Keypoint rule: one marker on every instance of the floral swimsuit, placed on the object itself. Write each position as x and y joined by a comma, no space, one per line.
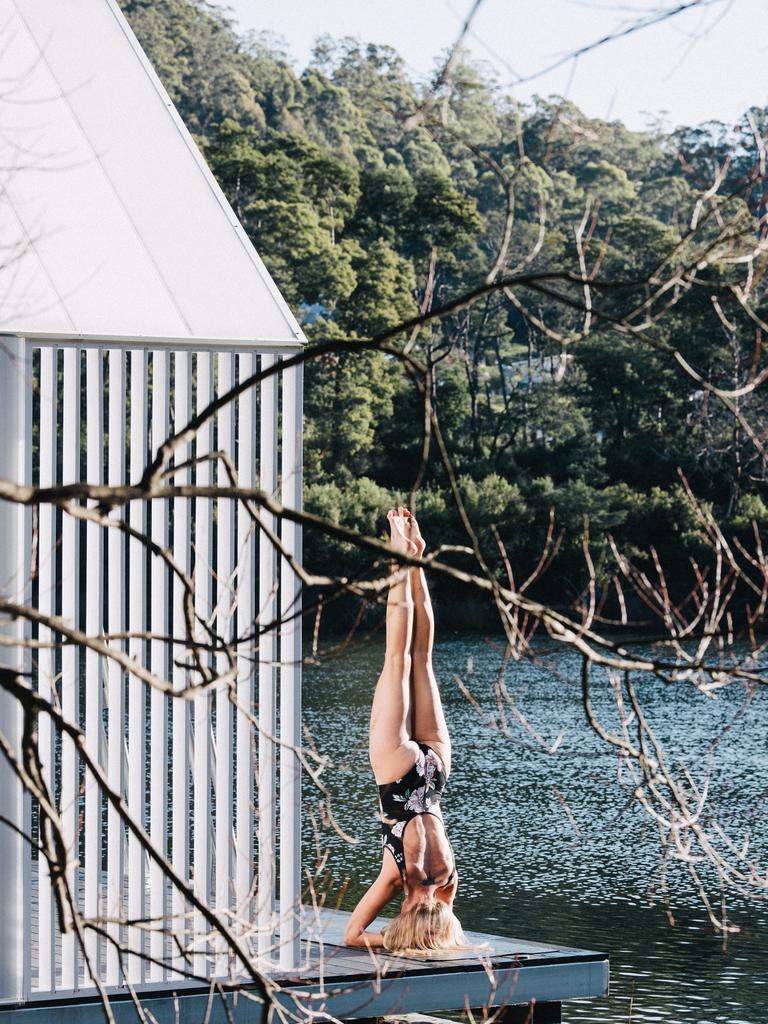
416,793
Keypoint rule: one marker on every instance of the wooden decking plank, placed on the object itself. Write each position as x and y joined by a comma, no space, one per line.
329,969
359,967
331,924
362,961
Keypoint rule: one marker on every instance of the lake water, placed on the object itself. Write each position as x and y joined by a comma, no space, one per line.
551,847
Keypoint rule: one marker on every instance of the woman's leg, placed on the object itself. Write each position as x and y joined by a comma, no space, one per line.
391,749
429,725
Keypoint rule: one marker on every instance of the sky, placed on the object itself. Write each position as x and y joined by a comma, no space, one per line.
706,63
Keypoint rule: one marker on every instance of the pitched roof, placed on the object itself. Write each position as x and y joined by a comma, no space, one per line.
111,223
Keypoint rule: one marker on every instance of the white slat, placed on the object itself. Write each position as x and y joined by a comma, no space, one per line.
27,661
159,666
267,661
246,547
93,603
203,567
225,536
70,467
15,378
137,623
115,624
46,920
290,676
181,708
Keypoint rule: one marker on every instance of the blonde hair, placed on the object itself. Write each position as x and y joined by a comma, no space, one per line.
424,928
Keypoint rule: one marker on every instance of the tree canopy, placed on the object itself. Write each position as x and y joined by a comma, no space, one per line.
362,213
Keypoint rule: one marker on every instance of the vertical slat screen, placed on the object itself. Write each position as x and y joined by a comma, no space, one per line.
191,771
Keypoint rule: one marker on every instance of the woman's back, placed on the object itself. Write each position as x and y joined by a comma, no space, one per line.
428,852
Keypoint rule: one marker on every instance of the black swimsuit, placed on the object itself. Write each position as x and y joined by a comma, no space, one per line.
416,793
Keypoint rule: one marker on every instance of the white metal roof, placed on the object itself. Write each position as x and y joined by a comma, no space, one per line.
111,223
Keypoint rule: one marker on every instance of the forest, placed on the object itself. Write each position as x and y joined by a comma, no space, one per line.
366,214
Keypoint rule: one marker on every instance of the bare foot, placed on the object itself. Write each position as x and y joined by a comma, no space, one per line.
398,526
414,532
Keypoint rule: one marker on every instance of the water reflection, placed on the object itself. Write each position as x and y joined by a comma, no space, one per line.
549,847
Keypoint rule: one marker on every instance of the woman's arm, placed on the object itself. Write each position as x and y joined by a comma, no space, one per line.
383,889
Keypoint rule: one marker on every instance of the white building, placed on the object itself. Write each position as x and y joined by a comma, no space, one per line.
128,287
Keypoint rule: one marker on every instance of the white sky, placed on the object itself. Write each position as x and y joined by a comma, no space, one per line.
710,62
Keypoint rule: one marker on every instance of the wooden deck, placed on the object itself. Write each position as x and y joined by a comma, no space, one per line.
357,984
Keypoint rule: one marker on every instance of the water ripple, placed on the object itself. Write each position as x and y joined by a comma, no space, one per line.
550,848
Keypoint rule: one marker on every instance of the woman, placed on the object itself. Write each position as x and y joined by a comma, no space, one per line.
410,753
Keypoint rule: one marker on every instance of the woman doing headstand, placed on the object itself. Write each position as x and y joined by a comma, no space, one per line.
410,753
